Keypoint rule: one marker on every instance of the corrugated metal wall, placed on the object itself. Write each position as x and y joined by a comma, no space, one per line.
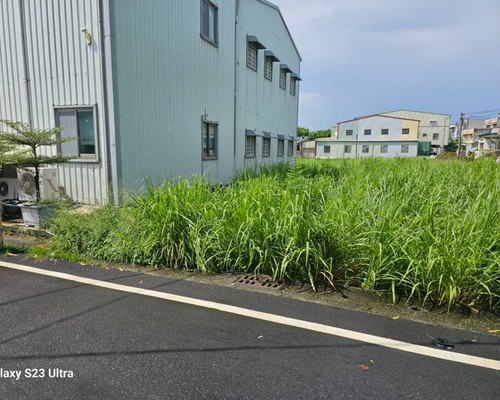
167,78
262,105
47,64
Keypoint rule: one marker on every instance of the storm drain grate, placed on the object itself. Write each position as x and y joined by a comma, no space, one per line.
264,281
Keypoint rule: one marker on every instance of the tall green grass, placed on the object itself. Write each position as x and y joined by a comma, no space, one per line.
427,229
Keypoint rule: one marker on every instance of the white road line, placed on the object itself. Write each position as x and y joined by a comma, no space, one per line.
278,319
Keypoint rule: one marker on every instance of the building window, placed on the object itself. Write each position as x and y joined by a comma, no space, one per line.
405,131
252,55
347,148
424,134
365,148
368,131
281,147
266,147
383,148
293,82
435,136
209,139
250,146
78,123
209,22
268,68
384,132
327,149
348,132
283,79
433,123
290,148
405,148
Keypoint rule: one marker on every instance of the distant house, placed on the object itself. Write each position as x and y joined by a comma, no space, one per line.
433,131
482,136
162,89
371,136
308,148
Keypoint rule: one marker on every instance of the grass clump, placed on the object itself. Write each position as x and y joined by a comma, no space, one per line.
428,229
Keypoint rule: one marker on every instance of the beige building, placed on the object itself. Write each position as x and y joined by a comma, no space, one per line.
433,128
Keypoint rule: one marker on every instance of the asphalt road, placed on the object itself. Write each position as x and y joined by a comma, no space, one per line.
61,339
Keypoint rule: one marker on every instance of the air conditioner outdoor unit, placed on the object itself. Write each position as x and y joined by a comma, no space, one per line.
48,184
8,189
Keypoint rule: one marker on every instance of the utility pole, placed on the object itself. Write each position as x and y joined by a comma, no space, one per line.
461,127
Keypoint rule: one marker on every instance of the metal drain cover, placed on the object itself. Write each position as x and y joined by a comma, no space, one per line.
264,281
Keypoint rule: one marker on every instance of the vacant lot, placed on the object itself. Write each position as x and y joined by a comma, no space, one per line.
423,228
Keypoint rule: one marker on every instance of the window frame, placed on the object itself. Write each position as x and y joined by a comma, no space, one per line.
206,135
327,149
384,149
215,40
405,131
90,158
283,74
405,149
289,150
280,152
252,47
266,147
435,136
268,68
367,132
293,86
365,149
254,145
349,132
347,149
384,131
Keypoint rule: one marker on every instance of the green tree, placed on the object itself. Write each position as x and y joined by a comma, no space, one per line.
31,139
302,131
320,134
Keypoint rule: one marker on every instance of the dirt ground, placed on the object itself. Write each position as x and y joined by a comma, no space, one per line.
352,298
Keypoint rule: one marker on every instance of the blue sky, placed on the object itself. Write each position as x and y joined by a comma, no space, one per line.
368,56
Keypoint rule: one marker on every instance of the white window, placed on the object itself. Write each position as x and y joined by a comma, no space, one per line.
281,147
283,79
268,68
347,148
293,83
435,136
348,132
290,148
405,148
79,123
327,149
252,55
209,139
383,148
266,147
405,131
368,131
365,148
250,146
209,22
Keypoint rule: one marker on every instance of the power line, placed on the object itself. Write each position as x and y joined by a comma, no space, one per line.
483,112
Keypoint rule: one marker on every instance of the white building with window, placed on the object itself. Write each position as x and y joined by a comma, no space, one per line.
371,136
157,89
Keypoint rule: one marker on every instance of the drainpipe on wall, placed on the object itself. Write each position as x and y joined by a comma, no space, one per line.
106,67
235,101
25,71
